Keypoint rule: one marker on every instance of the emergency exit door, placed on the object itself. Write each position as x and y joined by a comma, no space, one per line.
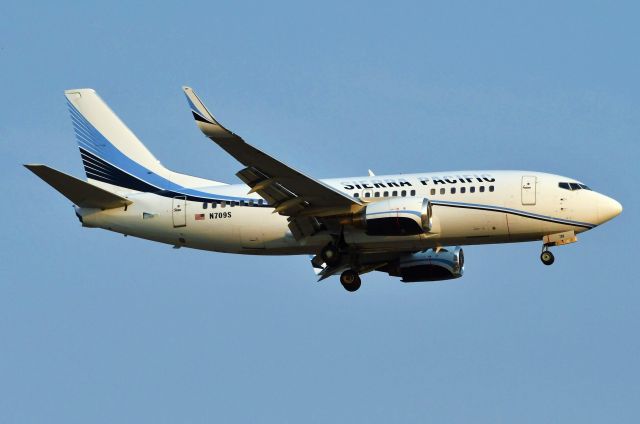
179,211
528,190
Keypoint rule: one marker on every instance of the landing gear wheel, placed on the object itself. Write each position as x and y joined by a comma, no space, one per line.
330,255
350,280
547,257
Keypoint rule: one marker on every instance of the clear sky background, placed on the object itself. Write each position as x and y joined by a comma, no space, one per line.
99,328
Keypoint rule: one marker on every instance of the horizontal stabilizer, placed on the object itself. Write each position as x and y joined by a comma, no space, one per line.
79,192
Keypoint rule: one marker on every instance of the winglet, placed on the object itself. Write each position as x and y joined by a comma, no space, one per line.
79,192
204,119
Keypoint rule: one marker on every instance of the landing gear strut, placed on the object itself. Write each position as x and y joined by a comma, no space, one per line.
350,280
546,256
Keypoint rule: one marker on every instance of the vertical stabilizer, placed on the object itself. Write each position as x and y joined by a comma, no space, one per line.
101,133
113,157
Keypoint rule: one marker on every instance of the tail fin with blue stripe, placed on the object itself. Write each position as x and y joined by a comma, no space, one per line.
113,157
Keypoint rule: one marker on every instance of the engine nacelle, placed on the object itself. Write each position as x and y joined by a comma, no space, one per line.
446,264
397,216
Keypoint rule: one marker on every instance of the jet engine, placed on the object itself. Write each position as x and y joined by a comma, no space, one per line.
429,265
397,216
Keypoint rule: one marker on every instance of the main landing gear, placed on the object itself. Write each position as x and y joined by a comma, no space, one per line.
330,255
546,256
334,254
350,280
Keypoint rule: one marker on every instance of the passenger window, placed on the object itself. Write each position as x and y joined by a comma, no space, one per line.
442,190
213,204
356,194
260,202
564,186
413,192
433,191
453,190
204,205
395,193
491,188
223,204
403,193
367,194
463,189
376,194
472,189
232,204
481,189
385,194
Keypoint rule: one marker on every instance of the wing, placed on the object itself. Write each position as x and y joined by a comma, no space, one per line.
303,199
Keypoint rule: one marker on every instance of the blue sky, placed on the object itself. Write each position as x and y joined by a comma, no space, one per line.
99,328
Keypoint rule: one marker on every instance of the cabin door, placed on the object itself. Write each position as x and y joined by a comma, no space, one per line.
179,211
528,190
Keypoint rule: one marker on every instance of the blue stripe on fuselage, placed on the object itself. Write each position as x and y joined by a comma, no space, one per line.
512,212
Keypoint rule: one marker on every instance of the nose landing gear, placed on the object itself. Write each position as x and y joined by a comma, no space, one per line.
556,239
350,280
546,256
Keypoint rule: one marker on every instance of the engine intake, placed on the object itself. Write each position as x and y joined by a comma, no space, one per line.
397,216
446,264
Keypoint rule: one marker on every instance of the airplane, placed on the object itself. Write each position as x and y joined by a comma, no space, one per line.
410,226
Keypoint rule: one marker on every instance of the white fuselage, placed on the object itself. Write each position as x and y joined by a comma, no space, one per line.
469,207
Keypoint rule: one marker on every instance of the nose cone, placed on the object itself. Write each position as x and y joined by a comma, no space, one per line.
608,209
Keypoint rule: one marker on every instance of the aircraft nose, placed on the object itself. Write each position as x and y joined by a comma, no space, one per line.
608,209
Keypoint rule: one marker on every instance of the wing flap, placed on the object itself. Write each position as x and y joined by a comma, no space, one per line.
79,192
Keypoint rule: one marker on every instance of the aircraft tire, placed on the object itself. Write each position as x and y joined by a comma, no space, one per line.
547,257
350,280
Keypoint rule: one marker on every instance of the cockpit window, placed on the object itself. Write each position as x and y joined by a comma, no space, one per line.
573,186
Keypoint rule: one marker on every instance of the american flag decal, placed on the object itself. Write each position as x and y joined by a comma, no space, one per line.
199,216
